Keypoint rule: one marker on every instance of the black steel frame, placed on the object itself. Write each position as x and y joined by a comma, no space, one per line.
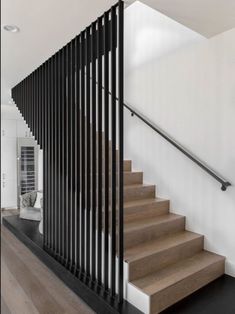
80,129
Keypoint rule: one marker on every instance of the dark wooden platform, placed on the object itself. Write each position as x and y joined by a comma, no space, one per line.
27,232
218,297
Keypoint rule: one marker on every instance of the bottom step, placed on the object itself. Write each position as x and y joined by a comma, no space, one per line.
173,283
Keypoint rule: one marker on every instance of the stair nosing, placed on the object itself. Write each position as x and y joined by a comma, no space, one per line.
138,185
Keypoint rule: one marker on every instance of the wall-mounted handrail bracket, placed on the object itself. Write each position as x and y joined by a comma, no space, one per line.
225,185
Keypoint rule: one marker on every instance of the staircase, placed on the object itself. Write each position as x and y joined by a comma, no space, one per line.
164,262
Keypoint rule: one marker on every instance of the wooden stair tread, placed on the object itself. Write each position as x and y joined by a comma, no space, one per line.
177,272
147,201
140,202
157,245
135,225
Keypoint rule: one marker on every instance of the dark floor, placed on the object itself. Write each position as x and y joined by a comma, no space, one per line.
216,298
28,227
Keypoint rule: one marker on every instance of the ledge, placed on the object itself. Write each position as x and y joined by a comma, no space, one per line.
27,232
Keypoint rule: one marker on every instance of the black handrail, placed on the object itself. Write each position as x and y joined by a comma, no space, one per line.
217,177
183,150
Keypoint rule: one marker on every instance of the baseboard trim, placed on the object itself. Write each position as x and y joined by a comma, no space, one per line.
230,268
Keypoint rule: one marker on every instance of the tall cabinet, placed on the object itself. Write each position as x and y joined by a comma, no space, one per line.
11,130
8,163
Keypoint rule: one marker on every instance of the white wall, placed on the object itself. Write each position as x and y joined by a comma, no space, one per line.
189,91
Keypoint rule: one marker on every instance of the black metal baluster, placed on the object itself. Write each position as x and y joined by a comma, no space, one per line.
16,95
88,148
67,126
50,127
42,107
78,143
68,89
55,149
73,155
48,155
73,149
37,113
113,153
106,149
64,134
22,97
52,153
45,232
39,105
26,99
94,140
24,93
120,130
83,188
36,109
19,91
33,102
100,140
59,143
30,103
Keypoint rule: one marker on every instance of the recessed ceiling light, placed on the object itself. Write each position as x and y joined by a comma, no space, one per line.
11,28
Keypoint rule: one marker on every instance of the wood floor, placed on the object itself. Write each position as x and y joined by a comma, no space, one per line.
29,287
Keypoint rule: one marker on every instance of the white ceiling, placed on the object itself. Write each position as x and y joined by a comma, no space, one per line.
207,17
146,27
47,25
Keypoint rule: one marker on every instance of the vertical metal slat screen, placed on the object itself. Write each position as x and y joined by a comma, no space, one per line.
73,104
